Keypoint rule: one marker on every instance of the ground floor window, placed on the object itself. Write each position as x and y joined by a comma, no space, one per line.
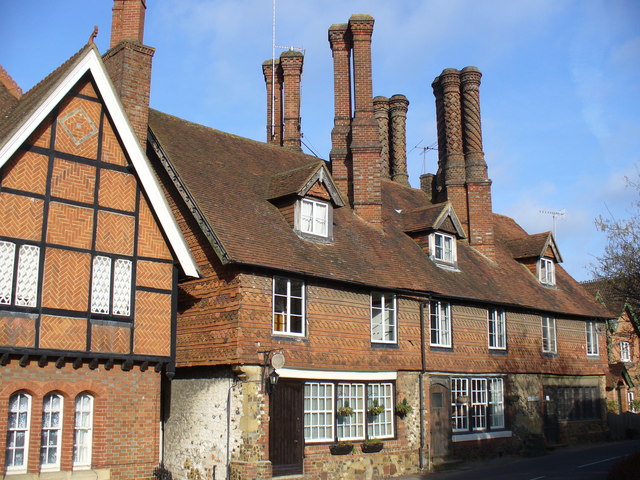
347,411
18,433
477,404
576,403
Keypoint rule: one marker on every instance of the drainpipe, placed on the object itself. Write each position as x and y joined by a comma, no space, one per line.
423,371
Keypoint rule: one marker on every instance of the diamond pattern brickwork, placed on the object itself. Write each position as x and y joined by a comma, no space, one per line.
77,131
17,331
152,335
69,225
73,181
111,150
117,190
115,233
26,171
66,279
110,338
63,333
154,275
20,216
150,240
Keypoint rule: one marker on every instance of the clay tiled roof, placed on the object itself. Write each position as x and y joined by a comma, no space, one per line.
431,217
228,178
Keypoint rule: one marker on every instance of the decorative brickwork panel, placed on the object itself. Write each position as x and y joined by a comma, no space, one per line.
70,225
152,335
154,275
41,137
111,149
73,181
115,233
110,338
66,279
17,331
26,171
63,333
117,190
150,240
20,216
77,129
86,89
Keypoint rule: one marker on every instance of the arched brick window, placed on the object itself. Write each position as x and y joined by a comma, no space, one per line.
83,432
51,443
19,423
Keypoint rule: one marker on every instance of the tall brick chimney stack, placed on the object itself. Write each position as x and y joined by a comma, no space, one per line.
291,63
365,141
398,106
128,62
340,156
381,112
273,78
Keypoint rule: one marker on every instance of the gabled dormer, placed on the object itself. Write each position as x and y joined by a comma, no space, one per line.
436,229
539,253
306,197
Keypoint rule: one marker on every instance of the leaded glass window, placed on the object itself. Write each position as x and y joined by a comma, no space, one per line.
122,287
27,279
7,260
101,284
111,291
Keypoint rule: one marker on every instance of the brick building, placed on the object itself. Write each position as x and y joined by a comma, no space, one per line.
330,293
90,255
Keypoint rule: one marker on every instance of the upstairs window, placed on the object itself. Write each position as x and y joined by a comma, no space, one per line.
440,313
288,306
111,291
549,335
592,339
443,247
18,433
383,318
497,329
625,352
314,217
546,271
19,286
51,432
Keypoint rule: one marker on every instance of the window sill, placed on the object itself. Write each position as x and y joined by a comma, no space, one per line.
465,437
440,348
376,344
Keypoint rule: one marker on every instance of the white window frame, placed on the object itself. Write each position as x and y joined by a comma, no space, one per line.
630,398
83,432
497,329
48,429
287,313
477,404
593,349
625,351
19,286
384,323
496,403
440,324
318,221
447,251
318,412
381,425
351,427
459,409
549,334
117,290
13,432
546,271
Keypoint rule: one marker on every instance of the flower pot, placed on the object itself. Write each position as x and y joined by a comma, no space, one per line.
340,449
371,447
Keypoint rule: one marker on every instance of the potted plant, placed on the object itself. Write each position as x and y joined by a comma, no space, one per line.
403,408
341,448
371,445
345,410
375,409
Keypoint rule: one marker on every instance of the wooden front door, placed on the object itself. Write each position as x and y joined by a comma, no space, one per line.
286,434
440,420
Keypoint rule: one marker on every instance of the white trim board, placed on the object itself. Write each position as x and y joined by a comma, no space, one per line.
336,374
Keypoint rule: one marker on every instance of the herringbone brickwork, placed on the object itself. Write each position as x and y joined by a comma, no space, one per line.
73,181
63,333
152,335
41,137
21,216
154,275
110,338
66,279
26,171
70,225
17,331
112,152
86,89
150,241
77,129
115,233
117,190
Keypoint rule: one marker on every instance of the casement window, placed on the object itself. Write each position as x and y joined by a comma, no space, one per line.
625,352
497,329
19,423
630,402
51,432
111,286
288,306
443,247
575,403
314,217
383,318
549,335
325,404
83,432
546,271
440,313
592,339
19,265
477,404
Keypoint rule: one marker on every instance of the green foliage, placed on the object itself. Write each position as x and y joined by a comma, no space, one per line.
375,408
403,408
612,406
345,410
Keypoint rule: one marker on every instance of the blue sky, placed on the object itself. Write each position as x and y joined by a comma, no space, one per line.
560,94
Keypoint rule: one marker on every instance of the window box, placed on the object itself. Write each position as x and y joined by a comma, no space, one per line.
341,448
372,446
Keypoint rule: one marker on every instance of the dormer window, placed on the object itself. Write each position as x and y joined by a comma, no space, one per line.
546,271
443,247
314,217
